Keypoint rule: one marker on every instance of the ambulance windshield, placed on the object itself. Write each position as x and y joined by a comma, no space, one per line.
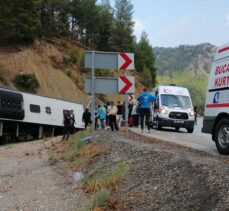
176,101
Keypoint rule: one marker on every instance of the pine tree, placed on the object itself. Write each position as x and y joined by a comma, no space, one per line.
53,15
144,57
122,38
18,20
104,26
85,16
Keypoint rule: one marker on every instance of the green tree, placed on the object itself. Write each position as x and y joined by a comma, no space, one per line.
54,17
196,83
122,38
145,57
104,26
146,77
85,16
18,20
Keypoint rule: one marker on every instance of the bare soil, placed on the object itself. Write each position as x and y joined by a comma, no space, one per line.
31,180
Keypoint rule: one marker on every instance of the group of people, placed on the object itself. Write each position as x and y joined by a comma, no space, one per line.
105,115
112,115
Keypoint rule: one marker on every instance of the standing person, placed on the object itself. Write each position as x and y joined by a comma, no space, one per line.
134,113
119,113
96,117
107,117
102,115
72,121
112,111
145,100
195,114
66,125
86,117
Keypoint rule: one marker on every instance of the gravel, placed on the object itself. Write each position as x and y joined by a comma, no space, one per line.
161,176
168,177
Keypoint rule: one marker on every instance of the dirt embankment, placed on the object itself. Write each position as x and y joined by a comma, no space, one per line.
45,58
158,177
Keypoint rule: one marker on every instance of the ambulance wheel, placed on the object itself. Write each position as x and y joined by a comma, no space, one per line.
221,136
190,130
158,126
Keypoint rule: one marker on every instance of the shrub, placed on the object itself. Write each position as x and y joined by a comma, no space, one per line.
76,146
66,59
103,73
27,82
100,198
68,72
74,54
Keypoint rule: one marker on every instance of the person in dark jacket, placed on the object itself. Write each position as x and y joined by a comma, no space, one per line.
66,125
119,113
72,121
86,118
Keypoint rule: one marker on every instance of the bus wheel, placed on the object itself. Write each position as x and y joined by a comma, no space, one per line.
177,128
221,136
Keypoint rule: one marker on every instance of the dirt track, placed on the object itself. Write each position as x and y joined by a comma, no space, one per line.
28,181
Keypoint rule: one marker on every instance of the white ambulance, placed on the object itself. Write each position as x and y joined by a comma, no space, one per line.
173,108
216,114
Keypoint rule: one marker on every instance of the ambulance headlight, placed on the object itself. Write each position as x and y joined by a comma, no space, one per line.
164,111
191,113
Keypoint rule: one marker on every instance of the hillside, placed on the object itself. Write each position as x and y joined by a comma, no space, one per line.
58,76
195,58
45,58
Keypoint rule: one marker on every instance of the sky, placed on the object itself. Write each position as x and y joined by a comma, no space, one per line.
170,23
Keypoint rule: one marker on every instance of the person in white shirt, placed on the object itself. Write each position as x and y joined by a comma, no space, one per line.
134,113
112,111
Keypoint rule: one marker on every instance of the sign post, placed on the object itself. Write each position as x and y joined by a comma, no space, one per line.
93,93
126,109
109,60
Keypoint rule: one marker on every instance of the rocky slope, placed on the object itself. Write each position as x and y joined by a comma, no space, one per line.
185,57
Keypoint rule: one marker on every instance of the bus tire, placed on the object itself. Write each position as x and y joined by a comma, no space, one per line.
221,136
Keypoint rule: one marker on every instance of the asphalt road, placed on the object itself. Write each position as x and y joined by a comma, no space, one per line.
196,140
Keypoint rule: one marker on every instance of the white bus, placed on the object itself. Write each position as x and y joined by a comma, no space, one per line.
28,116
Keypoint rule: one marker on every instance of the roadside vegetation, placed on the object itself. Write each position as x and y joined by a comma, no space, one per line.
99,181
26,82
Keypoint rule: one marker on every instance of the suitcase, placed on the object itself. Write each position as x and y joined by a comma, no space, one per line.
131,121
